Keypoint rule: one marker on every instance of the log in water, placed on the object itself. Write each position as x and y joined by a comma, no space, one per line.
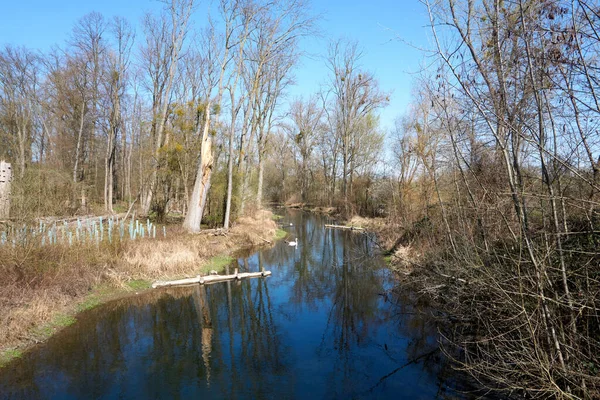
352,228
326,324
210,279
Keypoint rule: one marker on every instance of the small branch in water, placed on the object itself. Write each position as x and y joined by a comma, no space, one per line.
413,361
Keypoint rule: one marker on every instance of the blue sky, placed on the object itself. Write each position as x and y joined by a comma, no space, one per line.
375,24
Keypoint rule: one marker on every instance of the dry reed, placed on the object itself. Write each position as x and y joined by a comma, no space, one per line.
41,284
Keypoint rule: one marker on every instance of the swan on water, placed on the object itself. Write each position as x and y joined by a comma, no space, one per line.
293,242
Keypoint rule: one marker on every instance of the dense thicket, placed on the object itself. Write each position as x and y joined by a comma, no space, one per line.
499,168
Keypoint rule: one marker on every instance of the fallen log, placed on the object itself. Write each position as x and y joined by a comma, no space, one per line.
210,279
352,228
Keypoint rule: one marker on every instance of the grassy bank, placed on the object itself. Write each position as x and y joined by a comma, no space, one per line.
44,288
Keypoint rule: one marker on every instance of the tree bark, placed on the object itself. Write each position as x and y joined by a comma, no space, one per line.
5,189
78,145
197,202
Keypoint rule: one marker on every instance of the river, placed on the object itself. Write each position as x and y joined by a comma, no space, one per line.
326,324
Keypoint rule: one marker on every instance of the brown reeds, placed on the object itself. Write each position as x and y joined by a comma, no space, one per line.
39,284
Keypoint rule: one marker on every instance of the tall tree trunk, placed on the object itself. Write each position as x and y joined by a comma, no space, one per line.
229,179
22,139
78,146
122,182
107,168
197,202
261,166
5,180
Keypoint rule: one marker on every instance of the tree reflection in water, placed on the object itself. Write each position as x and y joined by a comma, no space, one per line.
327,324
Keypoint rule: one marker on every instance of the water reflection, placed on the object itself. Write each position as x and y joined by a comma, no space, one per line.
325,325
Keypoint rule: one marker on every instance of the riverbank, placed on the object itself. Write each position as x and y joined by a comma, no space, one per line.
291,335
45,288
487,299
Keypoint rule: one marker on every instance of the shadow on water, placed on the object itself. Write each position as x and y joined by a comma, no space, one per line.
325,325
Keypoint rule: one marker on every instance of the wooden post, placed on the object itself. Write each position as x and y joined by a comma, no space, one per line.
5,179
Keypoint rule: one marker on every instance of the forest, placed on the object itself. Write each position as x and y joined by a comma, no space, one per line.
487,189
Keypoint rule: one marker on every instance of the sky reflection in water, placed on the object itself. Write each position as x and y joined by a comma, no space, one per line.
323,326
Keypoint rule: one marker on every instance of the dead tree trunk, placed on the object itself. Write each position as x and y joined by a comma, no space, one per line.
5,179
202,184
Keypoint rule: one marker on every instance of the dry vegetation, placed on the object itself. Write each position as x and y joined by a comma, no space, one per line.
43,286
493,191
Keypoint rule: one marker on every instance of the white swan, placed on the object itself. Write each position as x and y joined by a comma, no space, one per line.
293,242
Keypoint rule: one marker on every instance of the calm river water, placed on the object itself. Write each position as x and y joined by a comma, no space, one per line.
325,325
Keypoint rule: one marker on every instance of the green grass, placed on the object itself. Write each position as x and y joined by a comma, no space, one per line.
90,302
388,259
280,234
276,217
43,332
63,320
8,355
139,284
103,290
217,263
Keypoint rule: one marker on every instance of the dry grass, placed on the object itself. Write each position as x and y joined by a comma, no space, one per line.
362,222
18,322
41,284
404,259
186,252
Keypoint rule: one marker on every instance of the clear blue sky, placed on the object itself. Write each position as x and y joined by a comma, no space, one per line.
40,24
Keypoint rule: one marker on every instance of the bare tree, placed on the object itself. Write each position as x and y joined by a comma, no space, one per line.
116,85
90,49
273,42
304,131
240,22
164,41
511,91
19,81
354,96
